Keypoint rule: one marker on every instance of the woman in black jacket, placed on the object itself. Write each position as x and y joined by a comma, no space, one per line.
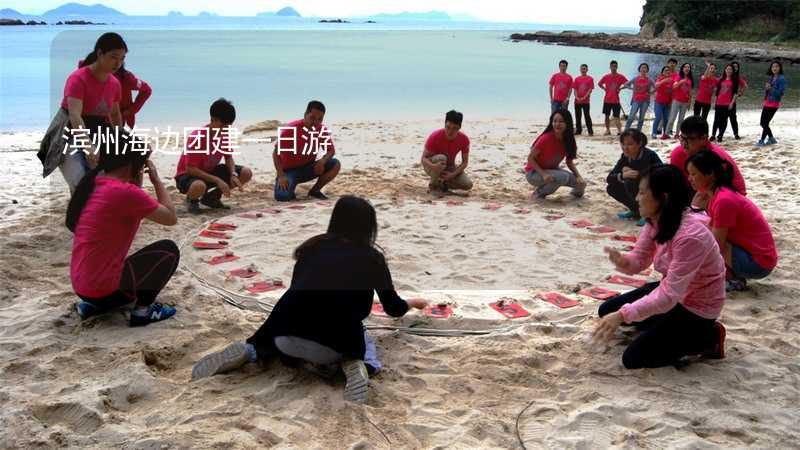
319,317
634,163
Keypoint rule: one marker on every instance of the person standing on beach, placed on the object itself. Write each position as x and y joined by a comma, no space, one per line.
583,85
612,83
672,63
128,106
636,161
556,143
104,215
642,87
199,174
742,232
774,90
663,102
727,90
677,316
560,87
439,157
681,97
91,99
318,320
295,156
732,112
705,91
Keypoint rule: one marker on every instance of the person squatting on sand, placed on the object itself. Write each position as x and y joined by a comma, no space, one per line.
634,164
318,319
556,143
104,215
677,316
439,157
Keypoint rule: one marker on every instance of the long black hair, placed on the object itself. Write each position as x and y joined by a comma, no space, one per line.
637,136
734,79
668,186
780,68
690,76
116,156
353,221
107,42
569,134
708,162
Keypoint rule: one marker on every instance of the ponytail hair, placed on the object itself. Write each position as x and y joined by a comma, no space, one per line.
708,163
107,42
637,136
115,156
668,185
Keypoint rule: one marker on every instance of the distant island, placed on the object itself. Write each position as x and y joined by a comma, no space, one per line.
77,10
283,12
431,15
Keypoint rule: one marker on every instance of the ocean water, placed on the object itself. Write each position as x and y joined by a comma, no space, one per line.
271,69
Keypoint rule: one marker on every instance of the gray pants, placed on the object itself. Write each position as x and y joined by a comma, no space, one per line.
678,110
461,182
561,177
73,168
316,353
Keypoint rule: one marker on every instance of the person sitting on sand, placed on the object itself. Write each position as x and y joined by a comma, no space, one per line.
104,214
742,232
295,155
318,319
200,175
556,143
693,139
678,315
634,163
439,156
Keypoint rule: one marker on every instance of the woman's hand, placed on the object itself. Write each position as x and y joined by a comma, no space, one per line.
607,326
417,303
617,259
151,171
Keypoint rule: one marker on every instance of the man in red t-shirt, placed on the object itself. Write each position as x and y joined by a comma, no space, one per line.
612,83
200,175
583,86
560,87
295,156
439,157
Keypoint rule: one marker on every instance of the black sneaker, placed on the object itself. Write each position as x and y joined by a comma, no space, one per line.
318,195
193,206
212,200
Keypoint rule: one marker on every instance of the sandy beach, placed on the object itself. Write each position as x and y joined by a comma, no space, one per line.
538,380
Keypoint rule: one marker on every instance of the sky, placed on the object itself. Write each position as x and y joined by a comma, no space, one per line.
619,13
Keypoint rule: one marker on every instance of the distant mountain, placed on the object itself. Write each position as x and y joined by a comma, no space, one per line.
432,15
8,13
174,14
76,9
206,14
284,12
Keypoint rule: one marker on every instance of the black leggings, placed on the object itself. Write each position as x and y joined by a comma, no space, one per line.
721,113
664,338
766,117
701,109
144,275
584,108
734,120
625,192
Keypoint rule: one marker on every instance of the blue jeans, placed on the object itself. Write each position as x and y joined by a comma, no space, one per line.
662,117
555,106
744,266
641,108
297,176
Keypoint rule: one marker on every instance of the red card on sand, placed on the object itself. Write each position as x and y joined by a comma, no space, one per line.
522,211
251,215
618,237
627,281
492,206
263,286
323,203
602,229
599,293
454,203
509,308
215,234
209,245
377,309
219,226
583,223
243,273
439,311
271,210
558,299
553,217
222,259
296,206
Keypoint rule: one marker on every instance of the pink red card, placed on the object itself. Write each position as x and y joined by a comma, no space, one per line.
602,229
215,234
323,203
492,206
296,207
553,217
583,223
264,286
454,203
627,281
271,211
438,311
244,273
509,308
377,309
618,237
210,245
251,215
558,299
219,226
222,259
599,293
522,211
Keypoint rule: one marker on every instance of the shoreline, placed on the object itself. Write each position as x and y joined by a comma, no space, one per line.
748,51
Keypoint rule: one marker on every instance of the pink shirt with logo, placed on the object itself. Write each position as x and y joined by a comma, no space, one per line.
641,89
706,89
664,91
561,83
692,267
98,97
204,149
612,82
582,85
438,144
725,95
295,140
104,234
747,227
551,152
683,92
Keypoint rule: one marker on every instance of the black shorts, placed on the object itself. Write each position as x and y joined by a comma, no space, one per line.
611,108
184,182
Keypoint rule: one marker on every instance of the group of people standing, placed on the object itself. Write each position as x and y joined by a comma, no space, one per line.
318,320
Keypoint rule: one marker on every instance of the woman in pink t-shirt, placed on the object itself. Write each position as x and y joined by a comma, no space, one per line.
104,215
732,117
727,91
774,90
705,91
642,87
681,97
556,143
663,102
678,315
128,106
742,232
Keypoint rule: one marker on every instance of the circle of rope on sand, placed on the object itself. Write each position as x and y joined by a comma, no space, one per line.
516,423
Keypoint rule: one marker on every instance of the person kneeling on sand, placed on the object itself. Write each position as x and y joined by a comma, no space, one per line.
634,163
318,319
104,214
439,157
556,143
200,175
678,315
